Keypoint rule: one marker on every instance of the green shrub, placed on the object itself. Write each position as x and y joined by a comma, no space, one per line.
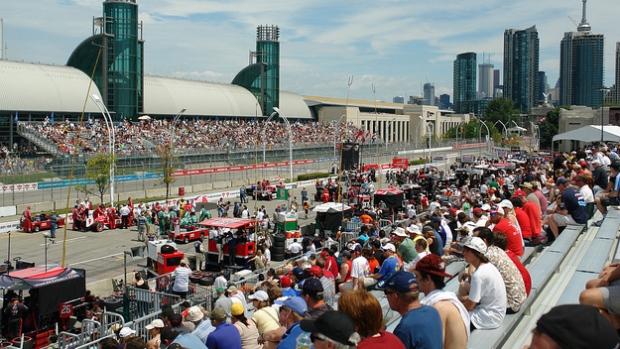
315,175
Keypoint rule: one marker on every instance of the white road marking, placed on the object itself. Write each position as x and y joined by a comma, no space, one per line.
97,259
58,241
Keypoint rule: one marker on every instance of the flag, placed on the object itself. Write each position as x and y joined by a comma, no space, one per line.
366,135
358,135
374,138
52,117
429,113
16,118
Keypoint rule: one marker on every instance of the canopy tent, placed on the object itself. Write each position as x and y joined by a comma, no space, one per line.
517,129
391,196
591,133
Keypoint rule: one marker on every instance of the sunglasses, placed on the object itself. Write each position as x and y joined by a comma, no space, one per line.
492,214
386,292
314,338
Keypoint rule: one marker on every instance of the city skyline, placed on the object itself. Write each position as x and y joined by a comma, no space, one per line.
322,43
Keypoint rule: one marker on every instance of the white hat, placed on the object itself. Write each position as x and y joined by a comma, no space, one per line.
485,207
157,323
506,203
126,332
389,246
413,229
259,295
194,314
476,244
400,232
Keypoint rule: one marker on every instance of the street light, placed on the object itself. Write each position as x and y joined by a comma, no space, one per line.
46,236
503,125
335,132
602,89
290,140
111,138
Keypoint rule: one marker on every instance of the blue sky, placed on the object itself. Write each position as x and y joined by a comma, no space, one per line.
397,45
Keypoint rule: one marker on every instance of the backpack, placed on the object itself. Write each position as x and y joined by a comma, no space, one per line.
197,246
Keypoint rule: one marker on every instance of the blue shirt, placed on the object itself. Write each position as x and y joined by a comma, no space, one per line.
388,268
203,329
421,328
225,336
289,339
573,202
190,340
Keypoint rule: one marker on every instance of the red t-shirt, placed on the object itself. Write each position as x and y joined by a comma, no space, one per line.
515,243
533,211
385,340
332,265
524,223
527,279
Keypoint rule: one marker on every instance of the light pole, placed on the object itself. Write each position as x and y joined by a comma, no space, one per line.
428,140
336,131
504,126
290,141
389,133
46,236
603,90
111,138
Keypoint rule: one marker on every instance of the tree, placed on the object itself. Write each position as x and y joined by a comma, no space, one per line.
502,109
98,171
548,126
168,163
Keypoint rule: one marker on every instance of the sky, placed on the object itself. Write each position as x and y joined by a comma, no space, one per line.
390,46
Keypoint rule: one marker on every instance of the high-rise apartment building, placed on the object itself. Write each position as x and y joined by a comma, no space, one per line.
464,82
521,59
581,66
485,80
617,76
398,99
444,101
429,94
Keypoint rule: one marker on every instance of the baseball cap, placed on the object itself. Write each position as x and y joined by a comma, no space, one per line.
578,326
432,264
436,219
232,289
324,253
126,332
185,304
335,325
462,216
596,162
497,209
476,244
296,304
390,247
157,323
315,270
285,281
561,180
401,281
298,273
486,207
506,203
218,314
312,287
345,253
168,333
194,314
527,185
519,193
259,295
477,210
236,308
400,232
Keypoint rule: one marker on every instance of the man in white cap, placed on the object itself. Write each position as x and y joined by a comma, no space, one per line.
406,247
483,293
389,266
202,328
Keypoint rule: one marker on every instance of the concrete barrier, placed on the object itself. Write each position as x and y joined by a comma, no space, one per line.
197,188
221,185
8,211
132,194
152,193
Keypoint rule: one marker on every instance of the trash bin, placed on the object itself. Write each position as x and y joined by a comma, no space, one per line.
282,194
181,191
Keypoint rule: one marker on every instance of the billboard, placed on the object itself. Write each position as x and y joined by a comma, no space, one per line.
400,163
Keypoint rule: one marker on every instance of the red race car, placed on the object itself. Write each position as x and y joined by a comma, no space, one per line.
38,223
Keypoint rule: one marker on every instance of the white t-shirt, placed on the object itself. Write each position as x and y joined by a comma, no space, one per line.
587,194
489,291
295,247
360,267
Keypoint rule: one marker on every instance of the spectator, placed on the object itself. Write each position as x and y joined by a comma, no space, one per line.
225,335
573,326
571,209
169,336
292,311
335,329
504,226
389,266
455,321
312,293
483,293
247,328
154,329
202,328
420,325
181,280
367,315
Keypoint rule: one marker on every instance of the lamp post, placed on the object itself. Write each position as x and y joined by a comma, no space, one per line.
336,132
46,236
111,138
429,135
504,126
603,90
290,141
388,134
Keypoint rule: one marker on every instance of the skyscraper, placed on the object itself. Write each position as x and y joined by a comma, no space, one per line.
444,101
485,80
398,99
429,94
581,66
521,57
464,82
617,76
542,85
